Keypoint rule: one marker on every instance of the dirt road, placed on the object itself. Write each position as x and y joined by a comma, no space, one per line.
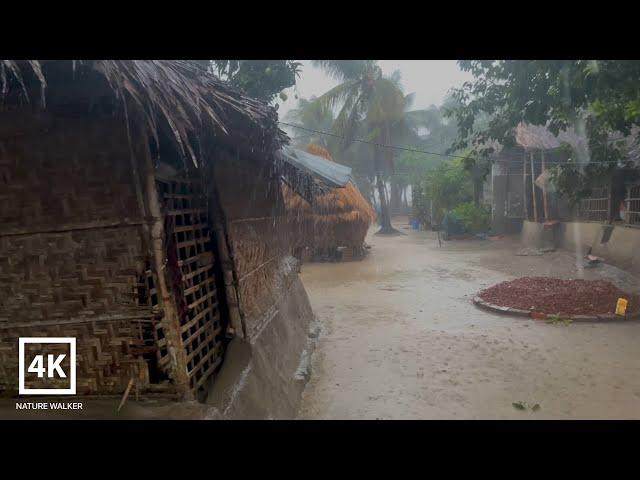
401,339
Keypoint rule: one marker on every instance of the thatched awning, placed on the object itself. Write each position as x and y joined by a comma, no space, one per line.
177,95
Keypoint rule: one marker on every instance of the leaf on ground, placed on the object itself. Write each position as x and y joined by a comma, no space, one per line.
558,320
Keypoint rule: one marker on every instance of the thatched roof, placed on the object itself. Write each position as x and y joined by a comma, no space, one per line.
176,95
535,137
341,216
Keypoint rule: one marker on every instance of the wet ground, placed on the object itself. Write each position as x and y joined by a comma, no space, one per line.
401,338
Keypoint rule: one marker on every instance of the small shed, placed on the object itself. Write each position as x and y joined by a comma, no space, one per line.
335,223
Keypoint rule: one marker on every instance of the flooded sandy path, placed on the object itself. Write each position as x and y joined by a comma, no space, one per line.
401,339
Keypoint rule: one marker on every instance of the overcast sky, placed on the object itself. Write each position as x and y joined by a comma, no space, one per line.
429,79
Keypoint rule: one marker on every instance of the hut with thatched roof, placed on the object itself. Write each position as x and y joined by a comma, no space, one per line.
519,187
141,214
334,225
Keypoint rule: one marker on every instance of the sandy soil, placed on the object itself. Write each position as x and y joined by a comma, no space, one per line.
401,339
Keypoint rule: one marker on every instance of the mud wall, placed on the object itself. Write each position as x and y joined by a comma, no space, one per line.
536,235
264,378
621,249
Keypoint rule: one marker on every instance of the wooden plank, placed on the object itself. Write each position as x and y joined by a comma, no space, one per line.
71,227
142,316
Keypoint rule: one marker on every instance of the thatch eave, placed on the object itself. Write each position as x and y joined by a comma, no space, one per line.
176,94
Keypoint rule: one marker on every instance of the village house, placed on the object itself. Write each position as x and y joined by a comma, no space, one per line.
141,213
522,199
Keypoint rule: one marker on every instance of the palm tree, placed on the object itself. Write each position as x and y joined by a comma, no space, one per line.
373,106
310,115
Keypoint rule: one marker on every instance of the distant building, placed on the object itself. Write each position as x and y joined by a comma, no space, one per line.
514,192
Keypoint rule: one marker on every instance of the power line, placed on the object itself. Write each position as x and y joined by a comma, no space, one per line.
397,147
511,157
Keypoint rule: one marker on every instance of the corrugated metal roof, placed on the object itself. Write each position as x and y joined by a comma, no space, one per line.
331,173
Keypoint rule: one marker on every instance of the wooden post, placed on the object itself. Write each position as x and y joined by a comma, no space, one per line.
224,252
171,321
533,189
544,189
524,187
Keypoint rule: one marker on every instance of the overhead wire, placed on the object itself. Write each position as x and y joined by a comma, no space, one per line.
511,156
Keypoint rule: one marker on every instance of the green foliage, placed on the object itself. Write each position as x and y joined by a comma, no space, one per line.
420,204
602,96
412,167
261,79
447,186
310,115
475,219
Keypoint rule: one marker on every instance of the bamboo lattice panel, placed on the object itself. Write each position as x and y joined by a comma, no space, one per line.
189,237
595,208
633,206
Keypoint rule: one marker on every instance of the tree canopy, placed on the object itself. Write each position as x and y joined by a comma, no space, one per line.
594,97
261,79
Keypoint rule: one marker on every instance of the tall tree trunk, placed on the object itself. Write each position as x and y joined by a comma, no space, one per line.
385,218
396,197
379,156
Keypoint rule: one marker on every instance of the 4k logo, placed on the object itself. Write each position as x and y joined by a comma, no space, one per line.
50,368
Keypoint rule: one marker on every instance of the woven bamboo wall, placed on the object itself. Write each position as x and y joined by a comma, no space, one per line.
72,250
252,201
